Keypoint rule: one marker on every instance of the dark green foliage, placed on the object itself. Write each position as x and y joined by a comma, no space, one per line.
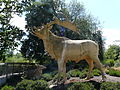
82,73
10,33
38,85
77,73
24,84
6,87
113,72
32,85
117,63
110,86
36,15
113,52
39,13
109,62
96,72
74,73
47,77
80,86
59,76
34,49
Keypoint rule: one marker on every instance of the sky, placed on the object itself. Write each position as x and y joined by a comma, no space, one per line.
107,11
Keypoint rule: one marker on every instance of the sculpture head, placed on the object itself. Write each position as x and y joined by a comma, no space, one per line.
43,31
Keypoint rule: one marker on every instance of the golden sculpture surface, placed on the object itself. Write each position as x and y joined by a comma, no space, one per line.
64,49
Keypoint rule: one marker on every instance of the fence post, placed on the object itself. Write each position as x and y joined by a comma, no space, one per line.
6,66
12,69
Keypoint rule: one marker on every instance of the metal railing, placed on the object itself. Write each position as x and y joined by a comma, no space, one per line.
12,68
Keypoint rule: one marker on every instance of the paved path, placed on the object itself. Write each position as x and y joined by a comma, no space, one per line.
3,78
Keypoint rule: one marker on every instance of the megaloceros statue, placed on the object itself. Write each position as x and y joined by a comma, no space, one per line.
64,49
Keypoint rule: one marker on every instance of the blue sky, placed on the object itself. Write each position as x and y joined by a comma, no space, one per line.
107,11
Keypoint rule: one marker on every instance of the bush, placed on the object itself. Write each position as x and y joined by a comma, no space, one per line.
80,86
77,73
113,72
109,62
110,86
74,73
32,85
117,63
59,76
96,72
24,84
6,87
47,77
38,85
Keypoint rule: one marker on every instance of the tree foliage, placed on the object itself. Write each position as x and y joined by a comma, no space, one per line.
10,34
36,15
44,11
113,52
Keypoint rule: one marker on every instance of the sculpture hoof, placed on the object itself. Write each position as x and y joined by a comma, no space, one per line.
87,78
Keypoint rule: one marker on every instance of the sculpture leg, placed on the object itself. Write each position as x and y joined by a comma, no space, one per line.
101,68
64,71
91,66
61,70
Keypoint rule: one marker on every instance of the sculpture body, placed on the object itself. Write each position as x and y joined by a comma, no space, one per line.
64,49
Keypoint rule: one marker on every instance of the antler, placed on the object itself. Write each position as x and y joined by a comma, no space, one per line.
66,24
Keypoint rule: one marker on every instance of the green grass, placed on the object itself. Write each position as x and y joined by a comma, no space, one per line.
109,62
113,72
16,59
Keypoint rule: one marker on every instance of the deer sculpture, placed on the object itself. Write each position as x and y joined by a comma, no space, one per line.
63,49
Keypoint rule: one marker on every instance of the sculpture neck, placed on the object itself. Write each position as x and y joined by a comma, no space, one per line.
49,36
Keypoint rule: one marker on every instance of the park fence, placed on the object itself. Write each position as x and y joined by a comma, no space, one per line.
7,69
34,70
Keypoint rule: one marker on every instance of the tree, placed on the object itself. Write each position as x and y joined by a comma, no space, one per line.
42,12
36,15
8,33
88,26
113,52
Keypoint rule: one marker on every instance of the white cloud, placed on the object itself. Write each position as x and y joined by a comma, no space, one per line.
112,36
18,21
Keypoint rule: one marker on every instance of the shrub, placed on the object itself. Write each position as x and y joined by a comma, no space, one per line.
109,62
110,86
80,86
76,73
32,85
96,72
47,77
38,85
54,73
24,84
117,63
59,76
113,72
6,87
